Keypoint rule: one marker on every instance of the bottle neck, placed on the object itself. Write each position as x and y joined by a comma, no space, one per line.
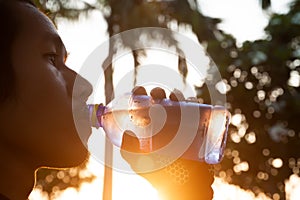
95,112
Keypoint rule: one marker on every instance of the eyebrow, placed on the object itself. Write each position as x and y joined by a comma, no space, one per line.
58,42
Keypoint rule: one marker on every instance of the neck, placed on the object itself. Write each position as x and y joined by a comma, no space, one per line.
16,172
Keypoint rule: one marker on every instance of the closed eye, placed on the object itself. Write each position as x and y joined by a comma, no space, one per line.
52,58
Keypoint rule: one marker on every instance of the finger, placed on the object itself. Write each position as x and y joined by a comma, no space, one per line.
176,95
130,142
139,90
158,93
192,99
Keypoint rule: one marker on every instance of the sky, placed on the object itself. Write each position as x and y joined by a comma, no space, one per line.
242,18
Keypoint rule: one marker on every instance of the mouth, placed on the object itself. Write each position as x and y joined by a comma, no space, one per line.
80,110
82,120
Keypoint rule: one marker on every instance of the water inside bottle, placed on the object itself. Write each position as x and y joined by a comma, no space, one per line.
190,130
157,126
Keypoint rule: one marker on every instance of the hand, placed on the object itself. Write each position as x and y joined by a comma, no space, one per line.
179,179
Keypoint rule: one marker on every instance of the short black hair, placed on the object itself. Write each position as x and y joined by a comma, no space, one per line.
10,27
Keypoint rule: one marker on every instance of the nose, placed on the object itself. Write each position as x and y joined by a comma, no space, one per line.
82,88
77,86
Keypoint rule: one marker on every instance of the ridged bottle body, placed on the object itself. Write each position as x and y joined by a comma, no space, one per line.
186,129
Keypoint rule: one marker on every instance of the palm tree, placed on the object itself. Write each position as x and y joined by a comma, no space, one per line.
125,15
130,14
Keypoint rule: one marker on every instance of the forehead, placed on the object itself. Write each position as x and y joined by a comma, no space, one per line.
34,24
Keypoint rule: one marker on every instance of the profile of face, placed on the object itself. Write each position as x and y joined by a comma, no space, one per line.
37,124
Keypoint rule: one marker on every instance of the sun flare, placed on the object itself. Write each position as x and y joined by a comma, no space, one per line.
134,187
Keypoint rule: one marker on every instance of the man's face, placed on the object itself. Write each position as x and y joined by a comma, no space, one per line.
39,124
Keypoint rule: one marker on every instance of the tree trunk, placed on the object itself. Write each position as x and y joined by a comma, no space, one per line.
109,94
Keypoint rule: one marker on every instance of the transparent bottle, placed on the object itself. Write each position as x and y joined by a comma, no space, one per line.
193,130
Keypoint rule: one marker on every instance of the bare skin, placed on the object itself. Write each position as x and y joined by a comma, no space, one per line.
37,127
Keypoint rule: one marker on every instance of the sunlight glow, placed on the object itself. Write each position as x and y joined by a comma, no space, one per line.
225,191
236,119
38,194
250,138
223,87
261,95
294,80
134,187
244,19
292,187
277,163
243,166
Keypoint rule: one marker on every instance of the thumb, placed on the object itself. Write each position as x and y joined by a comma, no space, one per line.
130,142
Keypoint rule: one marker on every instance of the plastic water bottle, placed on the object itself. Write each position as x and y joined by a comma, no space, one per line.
196,131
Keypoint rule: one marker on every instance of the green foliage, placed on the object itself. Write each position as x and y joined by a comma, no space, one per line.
265,3
53,180
259,75
64,8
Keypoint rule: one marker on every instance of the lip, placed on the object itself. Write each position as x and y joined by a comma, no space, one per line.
82,120
80,109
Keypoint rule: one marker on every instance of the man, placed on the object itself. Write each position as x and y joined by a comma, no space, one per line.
37,127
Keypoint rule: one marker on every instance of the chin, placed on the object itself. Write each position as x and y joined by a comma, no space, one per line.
74,152
72,158
76,162
68,163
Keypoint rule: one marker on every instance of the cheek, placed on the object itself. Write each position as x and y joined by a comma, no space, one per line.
42,82
44,96
57,76
38,82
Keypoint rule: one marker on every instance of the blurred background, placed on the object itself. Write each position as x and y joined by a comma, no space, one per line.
256,46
